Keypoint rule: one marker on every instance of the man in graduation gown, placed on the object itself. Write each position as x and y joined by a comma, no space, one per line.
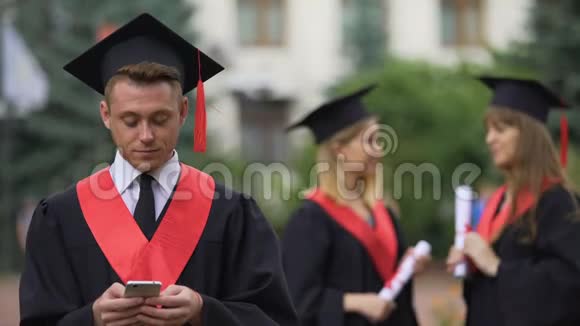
148,216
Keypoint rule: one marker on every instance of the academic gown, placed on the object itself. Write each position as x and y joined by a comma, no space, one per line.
323,261
236,266
538,283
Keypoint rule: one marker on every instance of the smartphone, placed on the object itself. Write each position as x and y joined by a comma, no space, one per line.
142,289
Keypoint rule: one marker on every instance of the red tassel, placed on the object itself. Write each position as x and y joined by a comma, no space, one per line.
564,140
199,134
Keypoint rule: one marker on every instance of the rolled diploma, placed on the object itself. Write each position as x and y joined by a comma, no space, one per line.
405,271
463,198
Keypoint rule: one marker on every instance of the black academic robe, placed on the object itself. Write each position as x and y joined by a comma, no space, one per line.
236,266
323,261
538,283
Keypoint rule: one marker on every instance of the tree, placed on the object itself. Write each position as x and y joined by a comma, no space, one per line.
66,141
431,120
552,52
67,137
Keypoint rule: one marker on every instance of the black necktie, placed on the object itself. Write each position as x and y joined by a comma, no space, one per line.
145,209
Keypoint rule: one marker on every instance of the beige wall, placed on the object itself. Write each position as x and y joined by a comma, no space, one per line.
311,59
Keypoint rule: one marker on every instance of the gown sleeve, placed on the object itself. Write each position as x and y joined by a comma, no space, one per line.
49,292
543,289
306,245
255,290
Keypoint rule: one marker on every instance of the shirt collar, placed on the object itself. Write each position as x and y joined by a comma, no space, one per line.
168,174
123,173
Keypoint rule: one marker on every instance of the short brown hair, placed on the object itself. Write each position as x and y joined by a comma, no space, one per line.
145,73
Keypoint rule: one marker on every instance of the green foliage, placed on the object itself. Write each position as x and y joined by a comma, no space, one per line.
552,52
277,187
66,141
437,116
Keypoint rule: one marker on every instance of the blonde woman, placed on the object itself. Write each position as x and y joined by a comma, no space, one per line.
526,251
343,243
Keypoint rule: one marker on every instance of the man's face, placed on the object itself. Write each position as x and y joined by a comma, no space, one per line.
144,121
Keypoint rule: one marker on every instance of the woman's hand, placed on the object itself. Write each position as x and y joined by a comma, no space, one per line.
369,305
481,254
454,257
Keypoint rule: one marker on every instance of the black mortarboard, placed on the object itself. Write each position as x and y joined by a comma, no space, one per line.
524,95
335,115
532,98
145,39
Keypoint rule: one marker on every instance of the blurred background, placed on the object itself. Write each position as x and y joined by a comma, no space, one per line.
282,59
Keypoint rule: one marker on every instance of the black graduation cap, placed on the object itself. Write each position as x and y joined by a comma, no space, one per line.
146,39
335,115
524,95
532,98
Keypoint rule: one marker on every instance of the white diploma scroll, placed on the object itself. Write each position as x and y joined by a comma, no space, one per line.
404,272
463,201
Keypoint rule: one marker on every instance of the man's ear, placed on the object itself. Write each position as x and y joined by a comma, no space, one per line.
105,111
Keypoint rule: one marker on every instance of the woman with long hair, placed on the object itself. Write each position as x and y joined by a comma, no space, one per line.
525,252
344,243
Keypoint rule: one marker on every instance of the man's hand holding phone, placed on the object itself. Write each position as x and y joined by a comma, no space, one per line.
140,302
112,308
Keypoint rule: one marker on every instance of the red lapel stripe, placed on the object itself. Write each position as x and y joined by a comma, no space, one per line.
124,245
380,242
491,225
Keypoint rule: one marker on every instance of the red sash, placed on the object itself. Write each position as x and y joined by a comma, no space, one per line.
380,242
489,226
121,240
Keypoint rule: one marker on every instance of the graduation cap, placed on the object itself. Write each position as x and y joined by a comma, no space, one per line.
146,39
530,97
335,115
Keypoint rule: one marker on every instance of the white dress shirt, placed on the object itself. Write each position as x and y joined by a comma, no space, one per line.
126,179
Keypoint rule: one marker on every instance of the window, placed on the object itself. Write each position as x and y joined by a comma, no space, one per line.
261,22
363,31
462,22
262,125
